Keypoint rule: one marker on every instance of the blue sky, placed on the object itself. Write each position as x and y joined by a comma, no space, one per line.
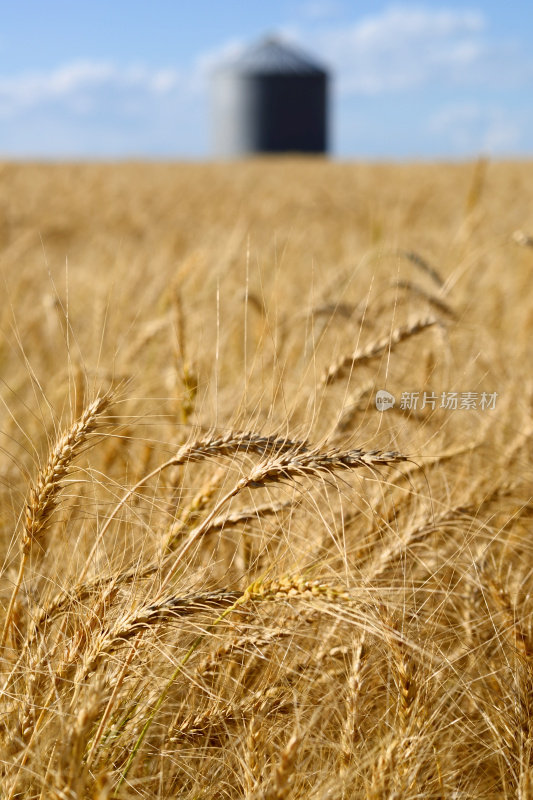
130,78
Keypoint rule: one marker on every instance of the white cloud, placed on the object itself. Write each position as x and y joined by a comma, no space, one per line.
96,108
469,128
321,9
400,48
79,85
406,47
418,23
208,60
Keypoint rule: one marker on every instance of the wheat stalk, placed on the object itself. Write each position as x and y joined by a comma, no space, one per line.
355,685
44,494
346,364
178,607
423,265
209,446
436,302
296,462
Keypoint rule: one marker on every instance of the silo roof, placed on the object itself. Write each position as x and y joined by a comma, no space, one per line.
272,55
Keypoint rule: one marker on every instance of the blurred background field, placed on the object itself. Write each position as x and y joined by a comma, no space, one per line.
295,234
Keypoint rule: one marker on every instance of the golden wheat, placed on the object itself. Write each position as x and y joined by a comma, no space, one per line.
249,582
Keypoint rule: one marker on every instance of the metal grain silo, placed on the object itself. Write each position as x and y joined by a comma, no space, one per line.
272,99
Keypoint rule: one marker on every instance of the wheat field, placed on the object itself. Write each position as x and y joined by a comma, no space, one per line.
225,573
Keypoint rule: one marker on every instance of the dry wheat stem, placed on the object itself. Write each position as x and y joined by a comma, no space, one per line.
285,588
228,520
356,402
262,702
112,700
423,265
439,304
344,310
162,695
84,590
175,607
247,514
198,450
363,355
413,535
250,642
298,462
206,447
502,599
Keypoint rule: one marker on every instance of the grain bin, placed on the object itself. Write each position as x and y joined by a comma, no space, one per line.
272,99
